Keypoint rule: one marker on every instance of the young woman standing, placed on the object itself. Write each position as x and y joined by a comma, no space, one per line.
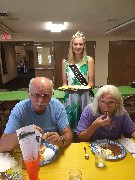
77,69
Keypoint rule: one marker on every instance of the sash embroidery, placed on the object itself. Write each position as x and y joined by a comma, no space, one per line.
78,75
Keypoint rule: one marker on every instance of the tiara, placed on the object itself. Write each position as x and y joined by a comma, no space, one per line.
78,34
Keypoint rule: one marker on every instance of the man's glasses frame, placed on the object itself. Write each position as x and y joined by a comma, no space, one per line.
44,96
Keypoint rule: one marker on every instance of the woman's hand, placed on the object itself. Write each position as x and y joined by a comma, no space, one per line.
103,120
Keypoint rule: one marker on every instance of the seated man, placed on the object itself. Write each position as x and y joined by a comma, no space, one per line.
106,118
46,113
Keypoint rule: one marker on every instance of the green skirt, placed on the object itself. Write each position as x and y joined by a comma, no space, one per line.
74,105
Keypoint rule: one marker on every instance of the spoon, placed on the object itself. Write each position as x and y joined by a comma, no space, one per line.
86,154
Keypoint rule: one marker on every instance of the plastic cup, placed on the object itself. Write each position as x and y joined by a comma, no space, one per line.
75,174
33,168
100,160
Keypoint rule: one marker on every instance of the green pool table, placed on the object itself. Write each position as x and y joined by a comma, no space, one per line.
125,90
9,95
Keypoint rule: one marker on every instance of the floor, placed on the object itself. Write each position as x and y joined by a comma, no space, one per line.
20,82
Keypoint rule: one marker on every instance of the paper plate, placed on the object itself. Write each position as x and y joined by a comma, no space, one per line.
118,150
53,149
74,88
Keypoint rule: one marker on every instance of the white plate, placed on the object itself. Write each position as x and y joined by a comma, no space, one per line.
74,88
106,142
52,149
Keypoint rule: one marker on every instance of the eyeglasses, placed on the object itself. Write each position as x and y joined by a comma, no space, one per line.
37,95
108,103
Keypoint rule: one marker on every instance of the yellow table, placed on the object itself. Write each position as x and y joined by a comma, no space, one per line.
73,157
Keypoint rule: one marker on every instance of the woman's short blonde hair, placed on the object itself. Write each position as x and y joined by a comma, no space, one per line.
114,91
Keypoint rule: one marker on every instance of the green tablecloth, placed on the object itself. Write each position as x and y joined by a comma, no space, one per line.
126,90
9,95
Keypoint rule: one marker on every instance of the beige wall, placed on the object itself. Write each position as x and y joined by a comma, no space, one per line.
101,61
101,56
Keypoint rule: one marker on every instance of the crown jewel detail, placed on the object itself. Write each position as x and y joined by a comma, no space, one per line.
78,34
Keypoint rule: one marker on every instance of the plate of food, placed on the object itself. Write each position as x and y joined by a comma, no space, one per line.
110,148
48,152
62,88
74,88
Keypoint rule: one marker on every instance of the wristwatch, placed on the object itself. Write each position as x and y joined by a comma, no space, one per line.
63,141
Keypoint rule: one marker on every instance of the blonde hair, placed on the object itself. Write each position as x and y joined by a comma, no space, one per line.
71,54
111,89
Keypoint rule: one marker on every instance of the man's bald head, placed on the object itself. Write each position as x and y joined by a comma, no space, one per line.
40,84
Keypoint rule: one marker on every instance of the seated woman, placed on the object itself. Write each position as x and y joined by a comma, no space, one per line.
105,118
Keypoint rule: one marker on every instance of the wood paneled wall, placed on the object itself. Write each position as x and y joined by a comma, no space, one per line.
121,63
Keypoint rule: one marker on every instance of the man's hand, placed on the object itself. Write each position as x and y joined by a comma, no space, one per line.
39,129
53,138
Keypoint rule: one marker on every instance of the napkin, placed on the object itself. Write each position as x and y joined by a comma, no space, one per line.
48,154
6,162
28,143
129,145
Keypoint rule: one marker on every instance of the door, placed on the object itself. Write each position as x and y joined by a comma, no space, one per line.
121,63
45,64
